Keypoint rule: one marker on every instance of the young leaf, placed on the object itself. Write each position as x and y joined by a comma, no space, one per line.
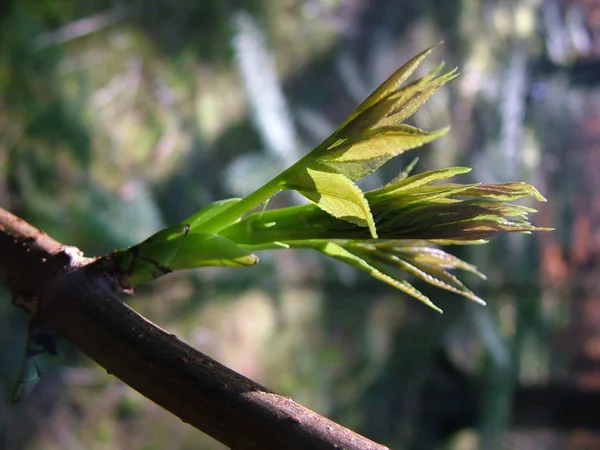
335,194
455,220
435,275
421,252
408,101
415,181
505,192
397,106
381,273
391,84
201,250
366,152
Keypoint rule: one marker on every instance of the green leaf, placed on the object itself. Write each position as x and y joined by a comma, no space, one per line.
426,194
209,211
367,151
421,252
201,250
505,192
375,270
397,106
151,258
392,84
451,221
414,182
335,194
433,274
410,99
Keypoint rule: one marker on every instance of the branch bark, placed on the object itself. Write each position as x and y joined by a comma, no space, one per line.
67,292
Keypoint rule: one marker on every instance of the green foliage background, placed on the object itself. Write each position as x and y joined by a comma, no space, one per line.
118,118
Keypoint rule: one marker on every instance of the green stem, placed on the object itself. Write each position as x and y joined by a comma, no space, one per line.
246,204
262,194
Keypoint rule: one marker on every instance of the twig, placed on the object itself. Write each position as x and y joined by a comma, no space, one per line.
77,299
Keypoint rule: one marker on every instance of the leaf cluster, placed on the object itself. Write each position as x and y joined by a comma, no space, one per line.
387,232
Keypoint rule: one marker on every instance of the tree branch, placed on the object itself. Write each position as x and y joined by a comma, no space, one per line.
73,296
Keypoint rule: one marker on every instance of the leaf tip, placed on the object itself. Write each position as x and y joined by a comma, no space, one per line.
478,300
373,230
538,196
441,132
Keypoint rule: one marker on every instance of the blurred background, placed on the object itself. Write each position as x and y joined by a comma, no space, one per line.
120,117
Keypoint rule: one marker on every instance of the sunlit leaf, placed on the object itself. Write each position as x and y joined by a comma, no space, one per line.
505,192
366,152
335,194
392,83
425,194
397,106
421,252
406,103
381,273
416,181
447,221
433,274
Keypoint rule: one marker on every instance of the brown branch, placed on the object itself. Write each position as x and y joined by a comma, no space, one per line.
74,297
29,259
